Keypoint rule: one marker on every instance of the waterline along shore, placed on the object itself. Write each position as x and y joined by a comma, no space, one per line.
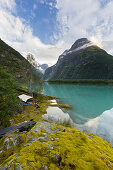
50,145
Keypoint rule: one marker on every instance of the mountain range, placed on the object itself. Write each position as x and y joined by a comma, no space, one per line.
84,60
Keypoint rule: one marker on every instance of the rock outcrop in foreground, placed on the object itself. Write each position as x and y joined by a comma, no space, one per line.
52,146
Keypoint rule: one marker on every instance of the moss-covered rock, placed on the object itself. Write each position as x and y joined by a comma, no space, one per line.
66,106
52,146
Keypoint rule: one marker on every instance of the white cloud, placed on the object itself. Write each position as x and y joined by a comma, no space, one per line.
42,1
10,4
34,6
51,4
86,19
76,19
19,35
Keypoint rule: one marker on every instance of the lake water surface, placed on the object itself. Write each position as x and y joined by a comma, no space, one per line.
88,101
92,106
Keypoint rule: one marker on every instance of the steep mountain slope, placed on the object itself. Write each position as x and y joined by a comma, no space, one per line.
83,60
16,64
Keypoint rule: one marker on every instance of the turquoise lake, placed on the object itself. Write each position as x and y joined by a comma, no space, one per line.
88,101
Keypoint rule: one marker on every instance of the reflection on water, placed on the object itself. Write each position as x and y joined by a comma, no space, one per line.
88,101
55,114
101,125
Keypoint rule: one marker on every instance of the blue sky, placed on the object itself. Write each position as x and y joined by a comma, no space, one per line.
41,16
46,28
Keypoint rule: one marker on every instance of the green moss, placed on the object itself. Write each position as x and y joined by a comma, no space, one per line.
10,159
77,151
74,150
37,153
8,155
35,134
31,112
67,106
71,149
50,97
25,138
66,123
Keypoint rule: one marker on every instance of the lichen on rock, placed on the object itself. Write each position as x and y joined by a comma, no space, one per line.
52,146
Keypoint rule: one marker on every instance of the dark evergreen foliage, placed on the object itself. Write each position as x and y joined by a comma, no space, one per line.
9,102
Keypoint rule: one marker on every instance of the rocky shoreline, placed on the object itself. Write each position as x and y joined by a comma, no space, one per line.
54,146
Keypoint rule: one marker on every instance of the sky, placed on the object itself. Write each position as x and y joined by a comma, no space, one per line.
46,28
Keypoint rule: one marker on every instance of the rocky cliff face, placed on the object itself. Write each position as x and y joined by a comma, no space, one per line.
83,60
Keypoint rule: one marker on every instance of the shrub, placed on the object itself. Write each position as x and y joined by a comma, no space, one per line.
9,101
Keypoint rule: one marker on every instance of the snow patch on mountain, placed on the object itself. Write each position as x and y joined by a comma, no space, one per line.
81,47
76,49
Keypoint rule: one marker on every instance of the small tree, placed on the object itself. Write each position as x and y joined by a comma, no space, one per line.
31,60
34,75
